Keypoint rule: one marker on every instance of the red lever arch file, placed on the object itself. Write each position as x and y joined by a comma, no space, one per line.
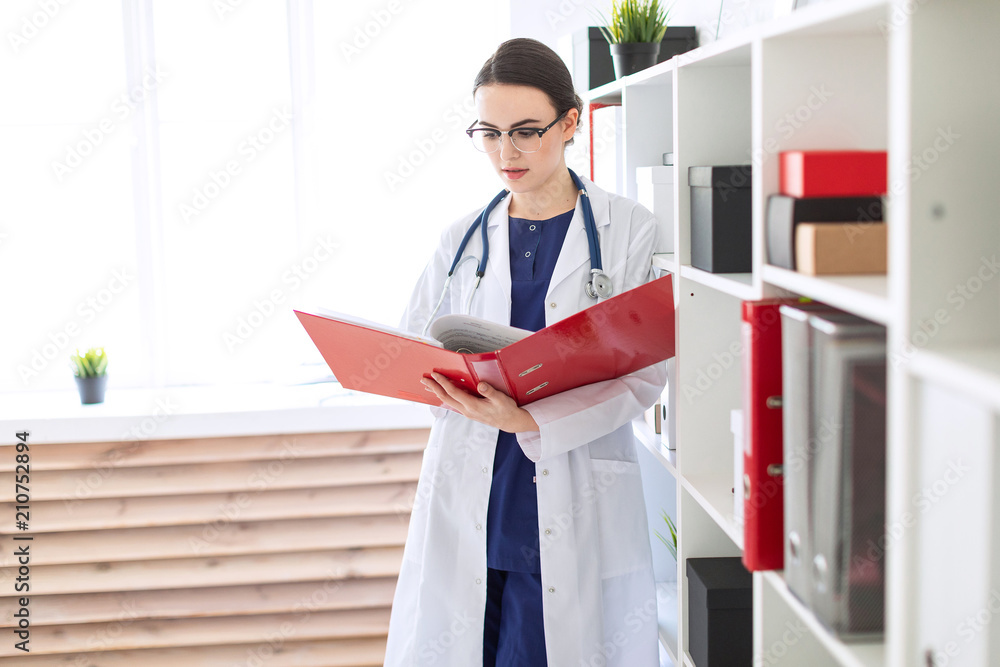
612,338
763,492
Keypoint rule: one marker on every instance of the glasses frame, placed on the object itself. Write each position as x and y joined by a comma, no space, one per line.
510,134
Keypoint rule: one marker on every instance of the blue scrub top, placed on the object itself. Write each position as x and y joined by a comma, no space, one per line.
512,518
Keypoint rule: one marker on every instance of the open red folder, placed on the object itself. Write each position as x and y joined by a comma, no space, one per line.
612,338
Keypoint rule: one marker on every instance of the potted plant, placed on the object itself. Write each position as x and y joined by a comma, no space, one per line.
634,33
91,372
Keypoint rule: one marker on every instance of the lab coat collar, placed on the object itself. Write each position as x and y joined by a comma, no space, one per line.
575,250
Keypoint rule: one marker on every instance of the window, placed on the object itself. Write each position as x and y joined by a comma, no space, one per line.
179,175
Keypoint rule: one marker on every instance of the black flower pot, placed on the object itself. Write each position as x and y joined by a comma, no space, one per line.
632,57
91,389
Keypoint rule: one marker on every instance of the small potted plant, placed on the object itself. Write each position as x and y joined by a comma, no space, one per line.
634,33
91,372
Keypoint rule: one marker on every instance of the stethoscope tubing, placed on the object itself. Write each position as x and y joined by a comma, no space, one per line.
599,285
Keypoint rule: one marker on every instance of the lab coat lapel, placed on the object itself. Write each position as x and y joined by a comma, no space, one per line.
576,250
498,266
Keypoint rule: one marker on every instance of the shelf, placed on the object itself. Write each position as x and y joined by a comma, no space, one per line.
971,370
854,654
716,498
739,285
666,616
667,261
609,93
652,442
865,296
831,18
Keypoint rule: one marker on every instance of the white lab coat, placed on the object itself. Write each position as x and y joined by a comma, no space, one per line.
599,600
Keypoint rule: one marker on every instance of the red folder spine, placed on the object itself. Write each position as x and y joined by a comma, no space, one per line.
833,173
763,499
487,368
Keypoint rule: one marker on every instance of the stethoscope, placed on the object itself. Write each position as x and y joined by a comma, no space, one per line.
599,284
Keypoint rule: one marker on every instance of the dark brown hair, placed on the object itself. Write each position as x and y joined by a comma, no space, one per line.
528,62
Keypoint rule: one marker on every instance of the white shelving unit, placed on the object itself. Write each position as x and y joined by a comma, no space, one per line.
917,79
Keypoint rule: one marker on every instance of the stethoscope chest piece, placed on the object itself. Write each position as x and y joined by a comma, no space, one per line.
599,285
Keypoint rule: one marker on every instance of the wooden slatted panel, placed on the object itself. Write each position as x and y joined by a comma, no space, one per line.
322,595
110,513
197,572
361,652
248,476
190,551
97,456
215,539
133,634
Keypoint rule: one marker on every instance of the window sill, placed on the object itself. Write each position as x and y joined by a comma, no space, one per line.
209,411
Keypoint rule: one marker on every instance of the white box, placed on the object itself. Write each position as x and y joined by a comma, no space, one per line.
655,191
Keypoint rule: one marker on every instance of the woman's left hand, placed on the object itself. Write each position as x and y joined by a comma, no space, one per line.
495,408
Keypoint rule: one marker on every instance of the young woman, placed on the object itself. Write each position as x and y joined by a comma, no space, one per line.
528,541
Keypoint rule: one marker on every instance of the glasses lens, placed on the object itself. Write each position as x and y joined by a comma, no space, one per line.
486,141
527,141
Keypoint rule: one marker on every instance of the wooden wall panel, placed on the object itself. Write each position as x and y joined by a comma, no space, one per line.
277,550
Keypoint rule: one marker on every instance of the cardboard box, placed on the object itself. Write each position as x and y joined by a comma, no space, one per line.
837,248
784,213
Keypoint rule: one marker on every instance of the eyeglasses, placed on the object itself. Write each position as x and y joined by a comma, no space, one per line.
525,139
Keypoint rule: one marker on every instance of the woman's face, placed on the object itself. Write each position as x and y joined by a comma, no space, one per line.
506,107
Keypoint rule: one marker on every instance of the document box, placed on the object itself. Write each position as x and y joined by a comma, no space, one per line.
721,218
720,612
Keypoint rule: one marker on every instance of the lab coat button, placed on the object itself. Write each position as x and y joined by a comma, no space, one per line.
479,526
478,580
545,472
551,590
548,531
552,305
485,469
